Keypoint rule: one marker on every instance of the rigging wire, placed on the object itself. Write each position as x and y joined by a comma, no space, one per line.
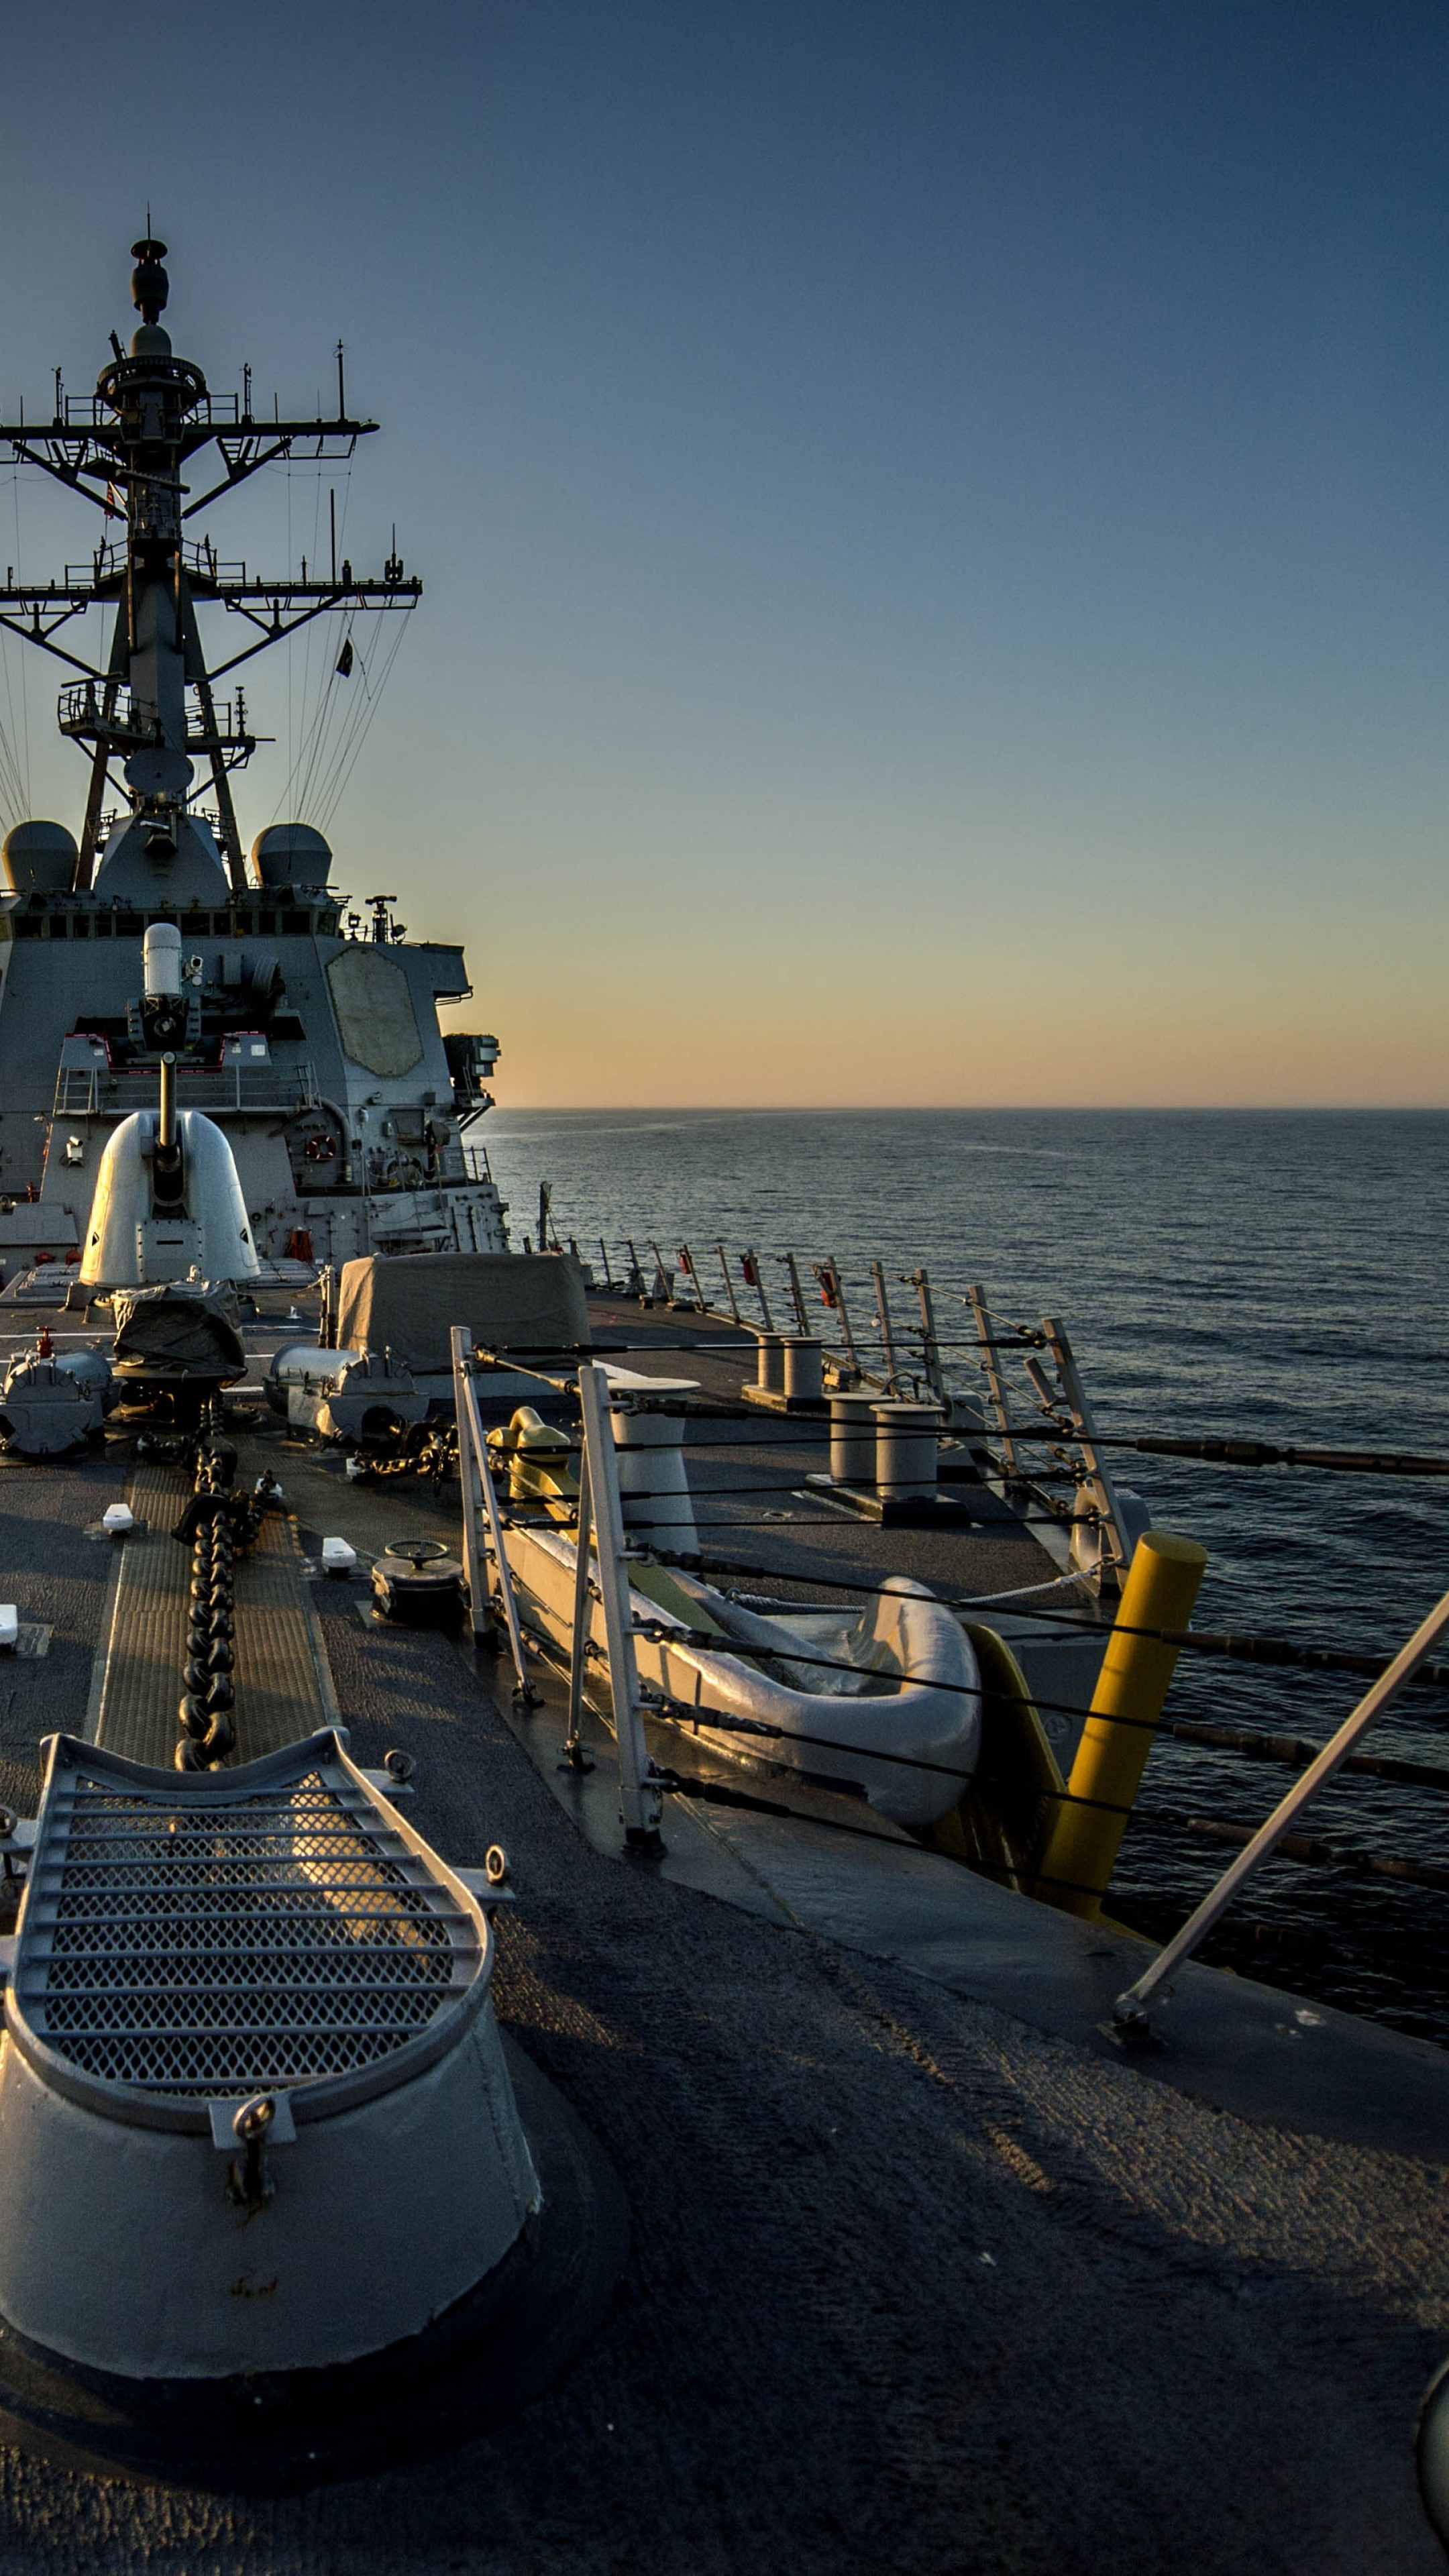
301,726
353,698
15,769
333,796
317,732
25,663
330,727
12,787
11,784
311,635
364,709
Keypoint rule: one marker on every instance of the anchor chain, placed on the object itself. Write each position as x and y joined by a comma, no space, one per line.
221,1525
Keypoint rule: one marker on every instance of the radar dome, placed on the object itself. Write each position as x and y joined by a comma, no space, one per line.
39,858
291,854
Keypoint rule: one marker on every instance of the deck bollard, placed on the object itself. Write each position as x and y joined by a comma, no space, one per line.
907,1438
1082,1845
771,1366
804,1369
852,1439
653,1480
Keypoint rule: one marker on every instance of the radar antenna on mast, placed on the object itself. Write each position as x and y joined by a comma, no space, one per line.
152,707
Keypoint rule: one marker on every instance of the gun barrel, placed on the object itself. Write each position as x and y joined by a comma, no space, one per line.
167,1138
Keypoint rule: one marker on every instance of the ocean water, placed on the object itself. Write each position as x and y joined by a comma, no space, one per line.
1278,1275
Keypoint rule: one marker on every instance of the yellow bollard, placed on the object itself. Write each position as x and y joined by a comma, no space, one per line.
1081,1846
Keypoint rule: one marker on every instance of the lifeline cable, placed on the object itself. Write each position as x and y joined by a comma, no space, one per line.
1296,1847
1295,1750
1258,1650
1224,1451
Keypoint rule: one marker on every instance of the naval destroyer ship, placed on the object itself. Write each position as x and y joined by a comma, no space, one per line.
306,1027
465,2118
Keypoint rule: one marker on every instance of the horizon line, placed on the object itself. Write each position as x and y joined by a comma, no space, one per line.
985,1109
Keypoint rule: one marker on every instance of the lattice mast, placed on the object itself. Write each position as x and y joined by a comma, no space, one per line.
152,708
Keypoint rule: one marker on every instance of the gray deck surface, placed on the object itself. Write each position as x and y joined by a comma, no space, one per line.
916,2285
283,1690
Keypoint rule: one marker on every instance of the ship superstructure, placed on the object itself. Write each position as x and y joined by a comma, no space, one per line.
306,1025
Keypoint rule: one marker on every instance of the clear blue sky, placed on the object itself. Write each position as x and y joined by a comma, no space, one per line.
933,517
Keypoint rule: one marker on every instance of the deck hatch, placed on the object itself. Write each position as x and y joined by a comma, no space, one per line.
265,1932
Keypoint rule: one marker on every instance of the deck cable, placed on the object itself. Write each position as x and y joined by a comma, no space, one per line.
1222,1643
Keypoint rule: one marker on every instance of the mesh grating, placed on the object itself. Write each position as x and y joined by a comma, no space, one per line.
221,1947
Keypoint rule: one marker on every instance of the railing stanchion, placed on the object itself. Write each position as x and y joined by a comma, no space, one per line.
729,1285
883,1317
797,1294
755,1278
1130,2011
575,1758
1100,1482
480,1611
638,1798
477,1481
828,1274
997,1391
920,1280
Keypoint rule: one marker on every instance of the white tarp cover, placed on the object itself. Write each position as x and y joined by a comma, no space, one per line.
511,1300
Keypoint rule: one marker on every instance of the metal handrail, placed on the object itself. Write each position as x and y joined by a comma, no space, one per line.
94,1091
1130,2010
111,711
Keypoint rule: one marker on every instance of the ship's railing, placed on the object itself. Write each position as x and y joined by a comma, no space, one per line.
1009,1392
476,1163
1011,1389
108,563
1081,1819
93,1091
1275,1833
109,711
867,1341
88,411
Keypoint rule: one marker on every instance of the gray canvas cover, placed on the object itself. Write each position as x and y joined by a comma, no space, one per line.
406,1302
181,1326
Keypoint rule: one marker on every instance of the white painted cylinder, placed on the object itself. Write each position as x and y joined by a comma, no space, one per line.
905,1449
804,1366
771,1366
852,1439
161,958
653,1486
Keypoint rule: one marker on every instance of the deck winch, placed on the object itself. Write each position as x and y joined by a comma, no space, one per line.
54,1401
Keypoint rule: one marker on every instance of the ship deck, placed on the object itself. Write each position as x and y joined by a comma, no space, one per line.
924,2274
